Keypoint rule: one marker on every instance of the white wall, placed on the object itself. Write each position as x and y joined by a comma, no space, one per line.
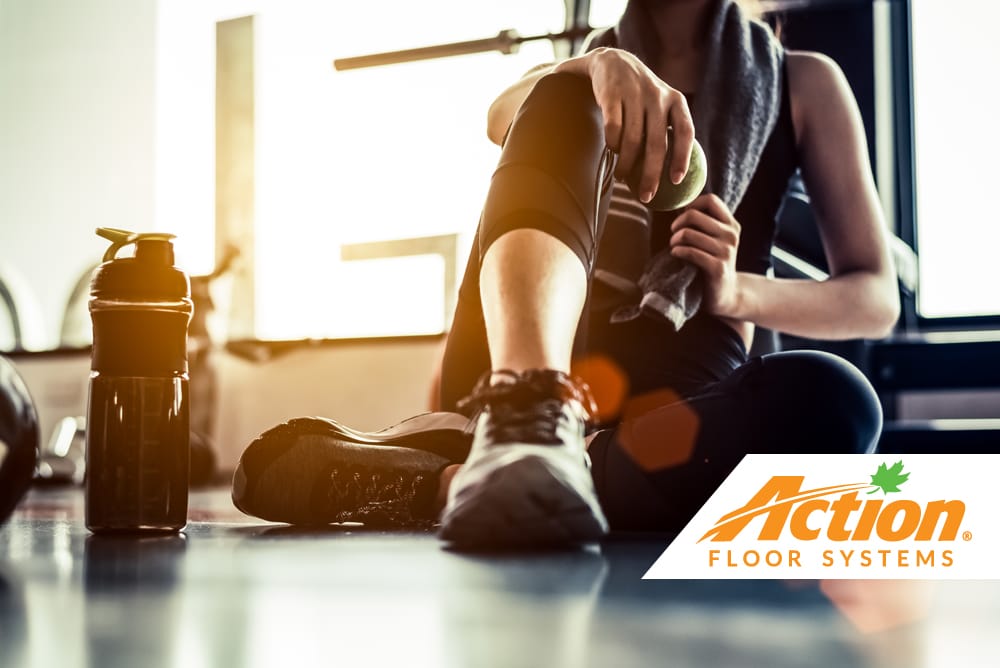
76,138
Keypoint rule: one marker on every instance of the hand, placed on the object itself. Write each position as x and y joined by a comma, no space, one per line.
707,235
637,107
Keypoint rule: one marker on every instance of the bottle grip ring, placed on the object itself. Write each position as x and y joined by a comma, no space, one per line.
121,238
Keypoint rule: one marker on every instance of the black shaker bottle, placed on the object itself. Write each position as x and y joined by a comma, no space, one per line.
138,415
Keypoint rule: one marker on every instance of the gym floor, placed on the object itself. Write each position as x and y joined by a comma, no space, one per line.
231,591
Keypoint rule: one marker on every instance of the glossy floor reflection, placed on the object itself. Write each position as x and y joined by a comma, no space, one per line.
230,591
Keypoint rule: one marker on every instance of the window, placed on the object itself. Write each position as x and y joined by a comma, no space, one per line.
345,160
111,122
954,57
604,13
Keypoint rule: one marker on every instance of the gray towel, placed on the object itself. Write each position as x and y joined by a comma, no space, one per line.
735,110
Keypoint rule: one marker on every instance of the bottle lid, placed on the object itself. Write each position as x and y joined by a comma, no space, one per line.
148,276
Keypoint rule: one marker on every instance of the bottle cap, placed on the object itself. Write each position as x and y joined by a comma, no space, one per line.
148,276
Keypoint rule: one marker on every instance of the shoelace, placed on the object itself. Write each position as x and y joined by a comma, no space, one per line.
527,407
359,494
533,424
541,383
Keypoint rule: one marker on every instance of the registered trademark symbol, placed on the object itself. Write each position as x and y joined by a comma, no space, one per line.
967,536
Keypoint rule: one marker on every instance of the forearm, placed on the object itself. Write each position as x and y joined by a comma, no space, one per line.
858,304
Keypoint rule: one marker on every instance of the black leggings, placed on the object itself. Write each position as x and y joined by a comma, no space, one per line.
654,470
695,404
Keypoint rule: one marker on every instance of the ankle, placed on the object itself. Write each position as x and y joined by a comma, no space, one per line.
514,374
504,395
521,364
545,383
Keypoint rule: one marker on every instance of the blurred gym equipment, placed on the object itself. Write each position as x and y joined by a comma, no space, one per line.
18,438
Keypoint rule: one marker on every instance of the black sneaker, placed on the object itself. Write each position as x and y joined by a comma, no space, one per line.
527,479
314,471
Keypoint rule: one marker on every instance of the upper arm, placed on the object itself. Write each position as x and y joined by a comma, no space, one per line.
835,167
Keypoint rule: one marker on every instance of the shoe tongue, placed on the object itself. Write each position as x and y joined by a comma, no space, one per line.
538,385
531,388
526,389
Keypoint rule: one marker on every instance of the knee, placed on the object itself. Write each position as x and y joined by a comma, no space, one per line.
548,177
831,405
562,89
564,103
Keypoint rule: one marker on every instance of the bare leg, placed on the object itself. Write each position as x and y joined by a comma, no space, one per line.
527,278
525,479
533,289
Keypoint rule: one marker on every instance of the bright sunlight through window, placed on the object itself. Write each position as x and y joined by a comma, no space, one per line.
351,157
955,53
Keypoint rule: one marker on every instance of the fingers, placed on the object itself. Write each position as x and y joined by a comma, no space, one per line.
714,207
705,241
707,262
692,225
654,152
613,113
683,138
632,136
638,108
656,141
696,239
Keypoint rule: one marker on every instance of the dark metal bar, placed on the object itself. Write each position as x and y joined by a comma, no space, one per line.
505,42
577,16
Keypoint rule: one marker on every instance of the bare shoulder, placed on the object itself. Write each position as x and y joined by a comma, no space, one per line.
818,89
805,65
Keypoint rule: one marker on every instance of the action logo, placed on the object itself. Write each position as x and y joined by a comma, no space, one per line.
844,516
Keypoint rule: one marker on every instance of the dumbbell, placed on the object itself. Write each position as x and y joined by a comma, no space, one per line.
19,438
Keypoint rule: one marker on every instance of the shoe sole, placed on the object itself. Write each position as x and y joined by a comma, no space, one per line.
281,455
447,435
522,504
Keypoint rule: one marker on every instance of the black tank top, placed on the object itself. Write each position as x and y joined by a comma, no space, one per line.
706,349
759,207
